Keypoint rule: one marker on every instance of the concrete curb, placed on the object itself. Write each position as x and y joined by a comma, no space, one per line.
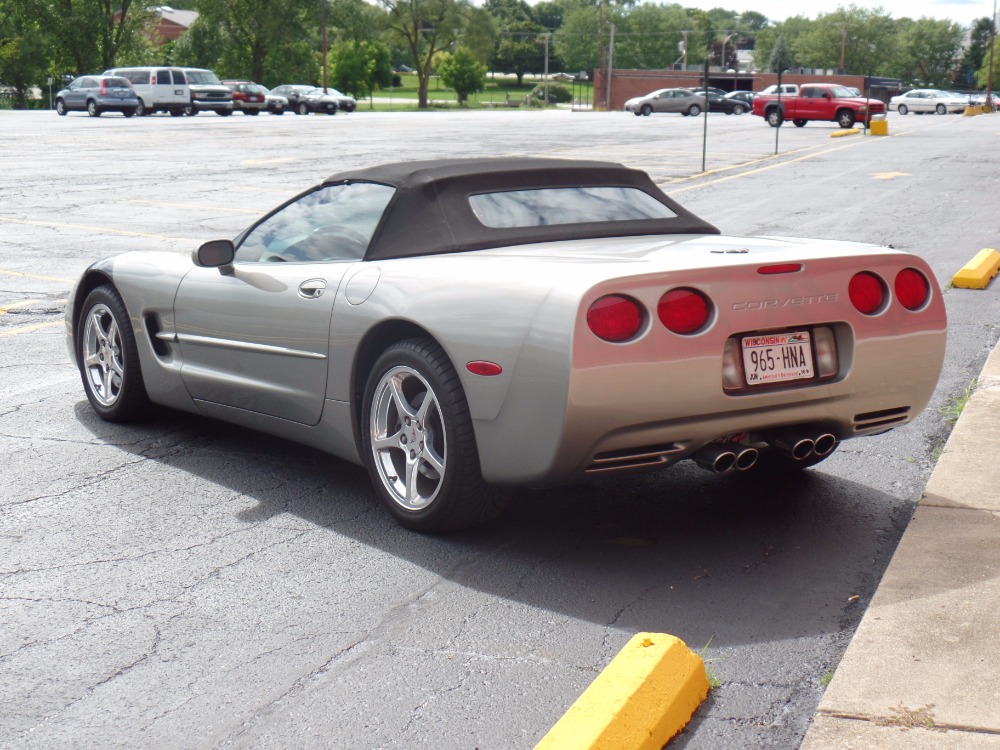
976,274
644,697
920,672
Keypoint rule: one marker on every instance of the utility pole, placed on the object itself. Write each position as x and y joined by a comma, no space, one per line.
993,43
546,78
323,25
611,62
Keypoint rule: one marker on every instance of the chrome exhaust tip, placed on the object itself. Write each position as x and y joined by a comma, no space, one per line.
716,458
746,457
824,444
795,445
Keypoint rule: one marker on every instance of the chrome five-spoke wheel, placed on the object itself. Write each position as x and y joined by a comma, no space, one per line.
409,443
419,443
108,358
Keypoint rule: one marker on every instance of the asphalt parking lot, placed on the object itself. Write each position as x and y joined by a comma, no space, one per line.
183,583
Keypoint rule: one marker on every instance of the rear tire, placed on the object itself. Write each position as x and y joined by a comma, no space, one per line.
774,117
941,109
302,109
694,110
418,441
92,109
109,359
738,109
800,123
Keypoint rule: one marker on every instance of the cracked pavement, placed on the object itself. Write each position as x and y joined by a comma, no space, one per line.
182,583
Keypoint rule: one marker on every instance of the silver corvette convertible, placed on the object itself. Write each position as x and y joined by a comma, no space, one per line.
464,326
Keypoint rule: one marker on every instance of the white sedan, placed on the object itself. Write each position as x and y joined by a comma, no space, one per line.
920,101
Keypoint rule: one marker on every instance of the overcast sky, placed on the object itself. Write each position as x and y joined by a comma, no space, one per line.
963,12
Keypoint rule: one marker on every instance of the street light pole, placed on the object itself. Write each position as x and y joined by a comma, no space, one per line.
989,70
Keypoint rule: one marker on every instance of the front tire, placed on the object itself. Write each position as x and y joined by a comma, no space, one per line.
60,107
109,359
902,109
418,441
646,110
846,118
694,110
738,109
799,123
302,109
141,109
941,109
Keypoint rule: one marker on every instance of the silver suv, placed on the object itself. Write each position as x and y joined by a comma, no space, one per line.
96,95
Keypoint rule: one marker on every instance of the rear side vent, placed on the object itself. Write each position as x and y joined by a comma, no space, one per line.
633,458
886,418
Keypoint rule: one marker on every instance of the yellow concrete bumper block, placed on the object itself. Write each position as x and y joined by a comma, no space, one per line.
976,274
878,127
645,696
842,133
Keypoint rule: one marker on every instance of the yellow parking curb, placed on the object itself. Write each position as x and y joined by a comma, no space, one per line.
976,274
839,133
643,698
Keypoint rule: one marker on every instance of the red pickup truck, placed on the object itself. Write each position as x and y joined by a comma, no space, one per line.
818,101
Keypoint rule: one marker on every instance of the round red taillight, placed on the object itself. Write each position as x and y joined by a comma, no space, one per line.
615,318
684,310
912,289
867,292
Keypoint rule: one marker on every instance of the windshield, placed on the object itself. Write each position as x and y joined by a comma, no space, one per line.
842,92
202,76
574,205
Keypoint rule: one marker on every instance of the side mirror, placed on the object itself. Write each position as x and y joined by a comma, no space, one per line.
214,254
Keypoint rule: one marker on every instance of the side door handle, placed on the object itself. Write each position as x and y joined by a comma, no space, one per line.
312,288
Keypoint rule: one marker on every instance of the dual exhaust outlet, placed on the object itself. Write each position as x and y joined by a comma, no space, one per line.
722,458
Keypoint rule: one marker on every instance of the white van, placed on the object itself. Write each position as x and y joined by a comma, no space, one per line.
178,91
787,89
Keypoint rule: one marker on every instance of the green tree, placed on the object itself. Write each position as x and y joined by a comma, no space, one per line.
91,35
425,27
983,75
462,72
781,57
359,67
651,36
752,21
253,30
859,40
520,49
355,20
927,50
976,51
25,50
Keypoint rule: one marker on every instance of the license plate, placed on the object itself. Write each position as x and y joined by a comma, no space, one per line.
777,357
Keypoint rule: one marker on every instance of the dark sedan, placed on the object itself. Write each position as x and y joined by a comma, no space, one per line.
303,99
719,103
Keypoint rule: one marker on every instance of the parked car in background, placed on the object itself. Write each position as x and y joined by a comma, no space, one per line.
920,101
719,103
208,93
248,97
96,95
743,96
818,101
178,91
980,98
787,89
681,101
345,103
274,103
303,99
360,318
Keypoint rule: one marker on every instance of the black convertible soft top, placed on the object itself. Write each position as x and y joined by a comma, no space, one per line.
430,211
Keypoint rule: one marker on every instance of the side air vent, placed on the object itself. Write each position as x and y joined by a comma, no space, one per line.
633,458
885,418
